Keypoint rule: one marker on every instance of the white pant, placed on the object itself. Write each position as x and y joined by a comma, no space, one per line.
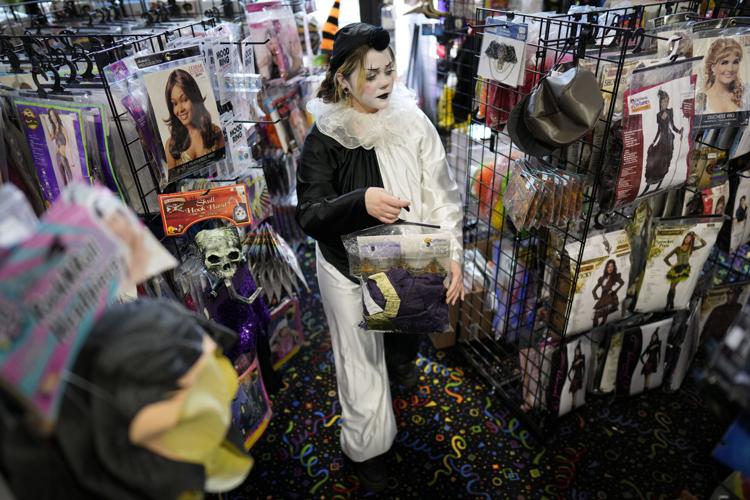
368,425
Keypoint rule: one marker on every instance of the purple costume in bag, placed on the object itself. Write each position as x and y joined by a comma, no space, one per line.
422,307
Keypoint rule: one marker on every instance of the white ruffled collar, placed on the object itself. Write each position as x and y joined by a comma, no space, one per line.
353,129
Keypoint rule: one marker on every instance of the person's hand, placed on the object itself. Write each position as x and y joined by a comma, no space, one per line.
384,206
456,287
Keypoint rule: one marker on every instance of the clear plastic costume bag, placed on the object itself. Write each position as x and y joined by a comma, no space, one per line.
403,270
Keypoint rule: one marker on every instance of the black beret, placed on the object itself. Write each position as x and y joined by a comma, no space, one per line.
352,36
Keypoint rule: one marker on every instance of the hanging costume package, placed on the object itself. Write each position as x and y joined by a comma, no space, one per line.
720,307
251,408
88,135
281,55
130,95
740,228
53,285
724,70
503,54
516,288
605,379
285,332
57,141
569,376
656,130
684,341
602,280
146,257
641,363
709,201
402,270
182,97
678,250
534,363
708,167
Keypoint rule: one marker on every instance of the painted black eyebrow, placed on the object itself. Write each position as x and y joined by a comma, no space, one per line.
378,69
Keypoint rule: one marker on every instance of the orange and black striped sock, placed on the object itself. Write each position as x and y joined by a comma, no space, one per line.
329,29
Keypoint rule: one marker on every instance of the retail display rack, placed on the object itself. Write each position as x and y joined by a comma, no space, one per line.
503,340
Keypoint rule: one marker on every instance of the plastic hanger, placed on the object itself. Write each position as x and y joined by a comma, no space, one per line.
670,19
726,22
428,10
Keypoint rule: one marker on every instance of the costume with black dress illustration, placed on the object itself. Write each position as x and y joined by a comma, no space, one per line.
576,373
607,302
659,156
741,214
651,356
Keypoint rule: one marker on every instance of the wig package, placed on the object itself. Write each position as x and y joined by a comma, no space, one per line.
182,98
403,269
713,46
677,252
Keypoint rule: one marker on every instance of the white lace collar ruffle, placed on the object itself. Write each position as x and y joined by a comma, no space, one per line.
353,129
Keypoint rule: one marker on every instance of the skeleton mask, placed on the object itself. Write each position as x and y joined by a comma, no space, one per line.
221,251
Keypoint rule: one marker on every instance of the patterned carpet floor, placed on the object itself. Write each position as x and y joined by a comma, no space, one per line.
456,440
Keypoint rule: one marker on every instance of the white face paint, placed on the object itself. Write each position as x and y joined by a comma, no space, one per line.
371,94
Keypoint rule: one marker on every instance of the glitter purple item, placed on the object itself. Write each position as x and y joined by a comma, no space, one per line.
248,321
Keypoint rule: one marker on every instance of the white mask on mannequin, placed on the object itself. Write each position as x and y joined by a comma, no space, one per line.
372,94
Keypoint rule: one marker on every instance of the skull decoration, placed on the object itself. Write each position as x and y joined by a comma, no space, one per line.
221,251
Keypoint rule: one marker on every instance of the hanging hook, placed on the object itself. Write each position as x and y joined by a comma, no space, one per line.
583,40
638,36
35,73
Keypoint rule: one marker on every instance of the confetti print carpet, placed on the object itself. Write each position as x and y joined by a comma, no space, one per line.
456,441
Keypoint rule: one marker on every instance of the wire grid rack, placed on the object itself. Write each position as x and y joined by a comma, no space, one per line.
505,324
101,51
44,15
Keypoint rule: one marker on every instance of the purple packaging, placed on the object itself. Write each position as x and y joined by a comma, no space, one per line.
57,143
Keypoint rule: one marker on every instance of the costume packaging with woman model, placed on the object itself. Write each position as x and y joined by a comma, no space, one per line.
740,233
683,344
641,363
720,308
372,156
602,280
656,129
678,250
56,138
569,377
